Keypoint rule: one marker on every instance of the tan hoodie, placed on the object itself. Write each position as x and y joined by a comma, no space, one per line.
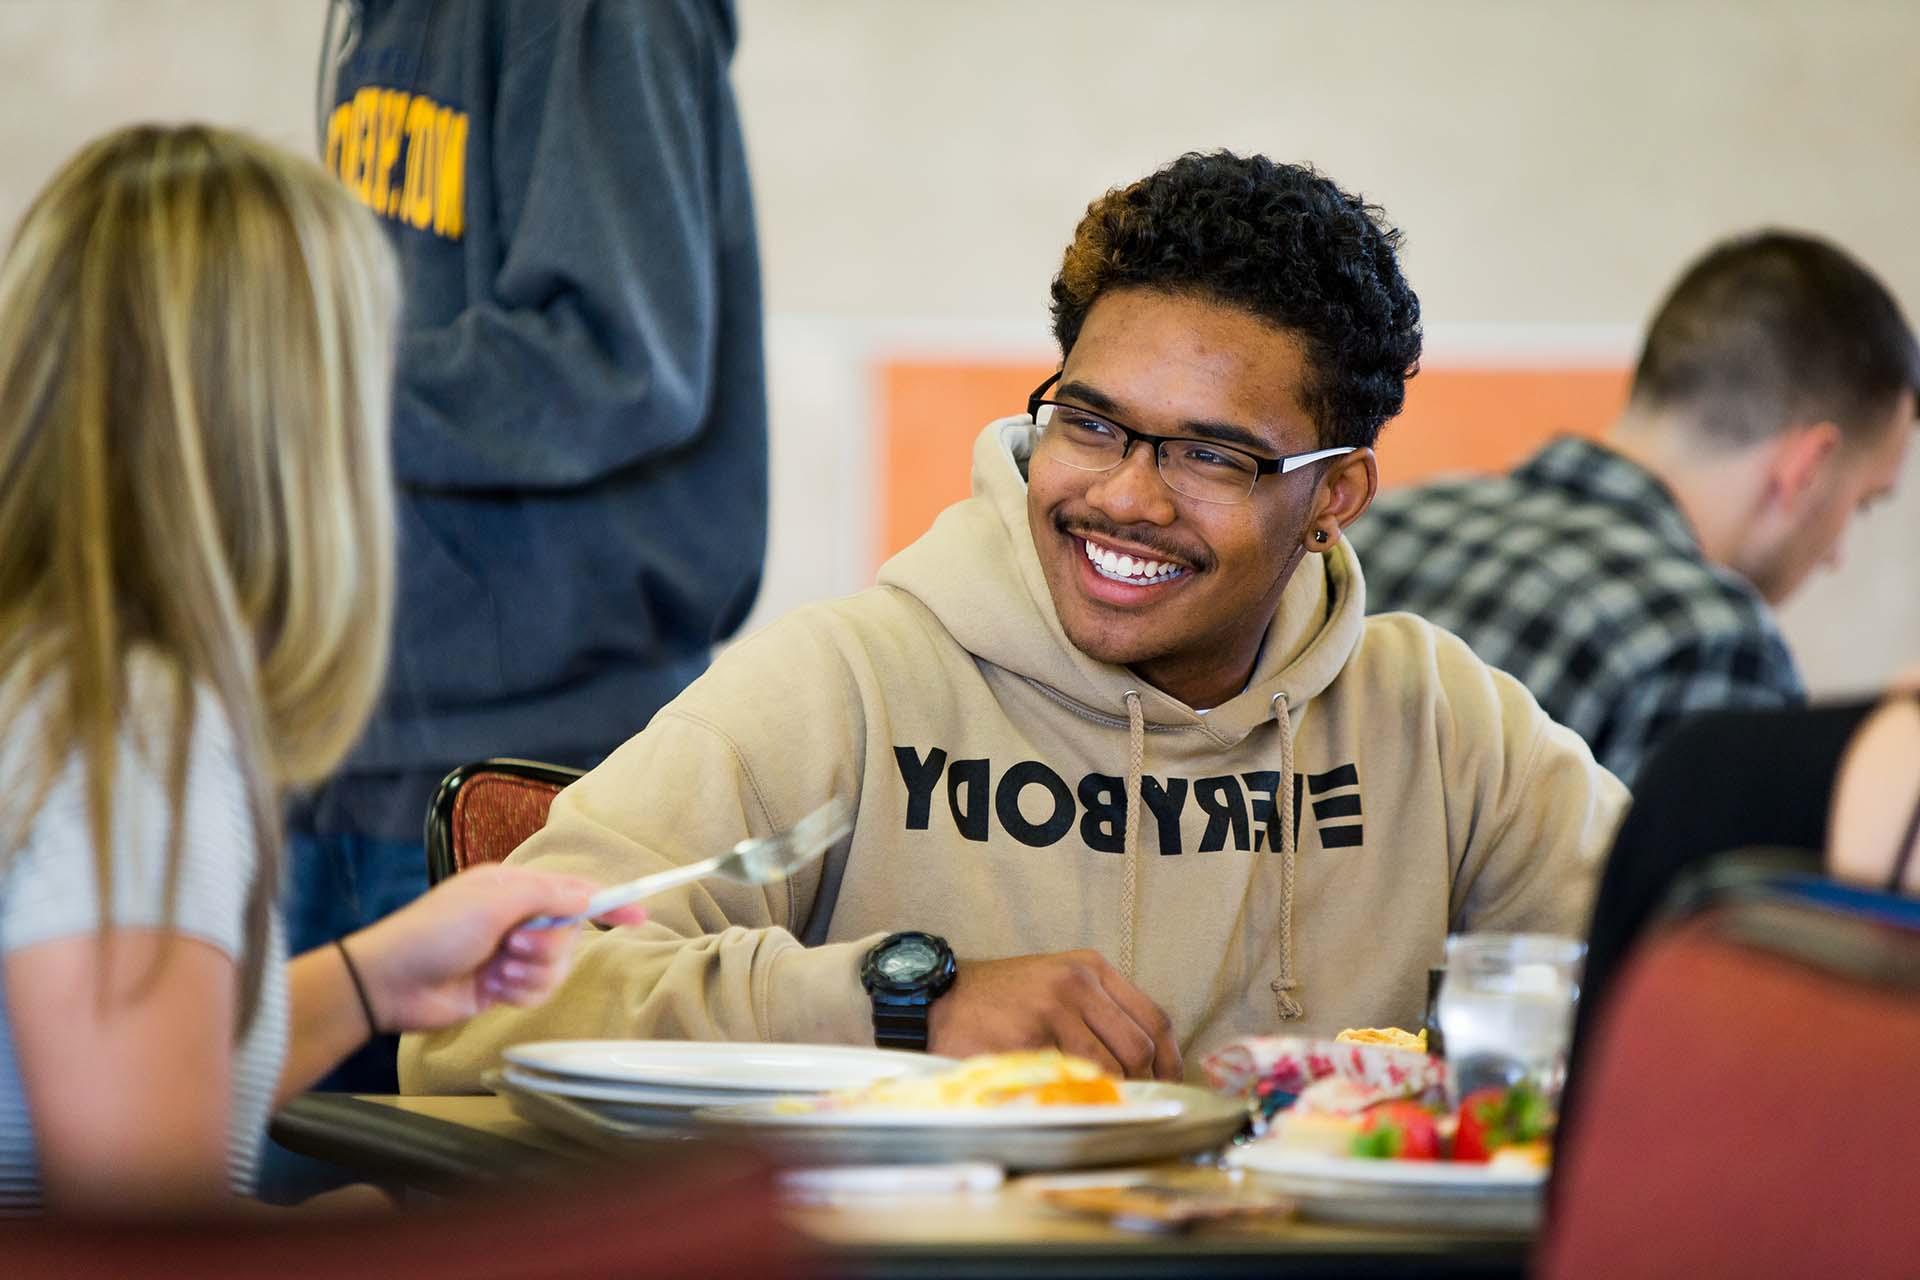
1304,851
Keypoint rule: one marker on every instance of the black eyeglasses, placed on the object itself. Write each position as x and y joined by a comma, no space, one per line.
1203,470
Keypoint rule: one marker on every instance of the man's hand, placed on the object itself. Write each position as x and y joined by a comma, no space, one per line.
1074,1001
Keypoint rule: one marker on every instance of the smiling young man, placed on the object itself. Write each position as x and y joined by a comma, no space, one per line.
1134,774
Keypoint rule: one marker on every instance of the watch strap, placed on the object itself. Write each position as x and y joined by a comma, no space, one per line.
901,1026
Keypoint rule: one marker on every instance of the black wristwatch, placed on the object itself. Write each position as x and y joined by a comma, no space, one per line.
905,973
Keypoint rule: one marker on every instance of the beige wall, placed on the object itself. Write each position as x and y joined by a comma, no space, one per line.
1551,162
70,69
919,167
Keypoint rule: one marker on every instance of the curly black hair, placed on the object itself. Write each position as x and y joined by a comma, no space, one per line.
1279,241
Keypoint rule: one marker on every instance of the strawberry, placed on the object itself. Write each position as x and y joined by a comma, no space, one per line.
1494,1118
1397,1131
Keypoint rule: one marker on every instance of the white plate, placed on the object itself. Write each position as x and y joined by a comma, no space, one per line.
771,1115
1404,1193
1447,1175
760,1069
613,1091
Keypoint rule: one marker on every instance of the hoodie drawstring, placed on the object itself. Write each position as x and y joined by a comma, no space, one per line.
1279,836
1281,813
1129,884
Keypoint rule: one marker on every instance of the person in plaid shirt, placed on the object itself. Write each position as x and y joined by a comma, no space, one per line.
1627,582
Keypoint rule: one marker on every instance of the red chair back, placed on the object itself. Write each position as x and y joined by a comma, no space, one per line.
713,1222
483,812
1748,1105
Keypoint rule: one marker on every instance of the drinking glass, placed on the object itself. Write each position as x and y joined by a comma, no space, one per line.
1506,1009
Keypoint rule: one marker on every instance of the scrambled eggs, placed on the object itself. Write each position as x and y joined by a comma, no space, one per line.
1038,1077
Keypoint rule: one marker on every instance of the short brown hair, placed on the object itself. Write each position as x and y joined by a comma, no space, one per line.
1775,329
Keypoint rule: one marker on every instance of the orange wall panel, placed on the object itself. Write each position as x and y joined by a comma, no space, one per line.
1456,419
929,414
1487,419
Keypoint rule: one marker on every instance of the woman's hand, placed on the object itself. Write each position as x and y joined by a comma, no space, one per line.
458,949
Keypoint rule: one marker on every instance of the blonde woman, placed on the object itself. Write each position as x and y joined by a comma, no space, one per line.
196,567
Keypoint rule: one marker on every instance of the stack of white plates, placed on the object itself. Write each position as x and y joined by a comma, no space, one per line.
665,1081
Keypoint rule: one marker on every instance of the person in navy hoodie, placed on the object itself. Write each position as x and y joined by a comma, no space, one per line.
579,428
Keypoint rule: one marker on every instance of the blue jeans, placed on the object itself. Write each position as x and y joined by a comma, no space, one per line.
337,884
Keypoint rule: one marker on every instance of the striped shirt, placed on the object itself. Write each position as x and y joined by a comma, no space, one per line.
1578,575
48,892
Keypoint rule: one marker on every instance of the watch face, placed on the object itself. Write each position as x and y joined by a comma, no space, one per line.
908,960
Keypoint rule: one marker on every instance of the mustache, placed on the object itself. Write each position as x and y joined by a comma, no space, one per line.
1146,536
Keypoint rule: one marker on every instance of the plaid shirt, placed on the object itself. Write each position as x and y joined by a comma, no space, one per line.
1578,574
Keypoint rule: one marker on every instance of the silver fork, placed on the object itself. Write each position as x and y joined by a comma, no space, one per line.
758,861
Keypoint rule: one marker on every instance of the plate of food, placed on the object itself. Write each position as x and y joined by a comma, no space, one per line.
1354,1173
1401,1193
1025,1110
1349,1152
1131,1110
1042,1088
1271,1071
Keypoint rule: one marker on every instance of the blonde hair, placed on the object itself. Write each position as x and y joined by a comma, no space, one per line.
195,363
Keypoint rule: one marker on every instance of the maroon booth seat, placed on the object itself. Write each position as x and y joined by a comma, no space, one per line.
717,1219
1749,1104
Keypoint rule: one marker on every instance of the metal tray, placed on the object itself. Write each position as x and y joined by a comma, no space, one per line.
618,1128
1207,1121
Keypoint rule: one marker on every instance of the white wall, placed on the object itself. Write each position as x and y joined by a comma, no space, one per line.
920,166
71,69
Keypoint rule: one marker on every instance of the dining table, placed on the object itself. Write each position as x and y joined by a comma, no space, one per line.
439,1146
